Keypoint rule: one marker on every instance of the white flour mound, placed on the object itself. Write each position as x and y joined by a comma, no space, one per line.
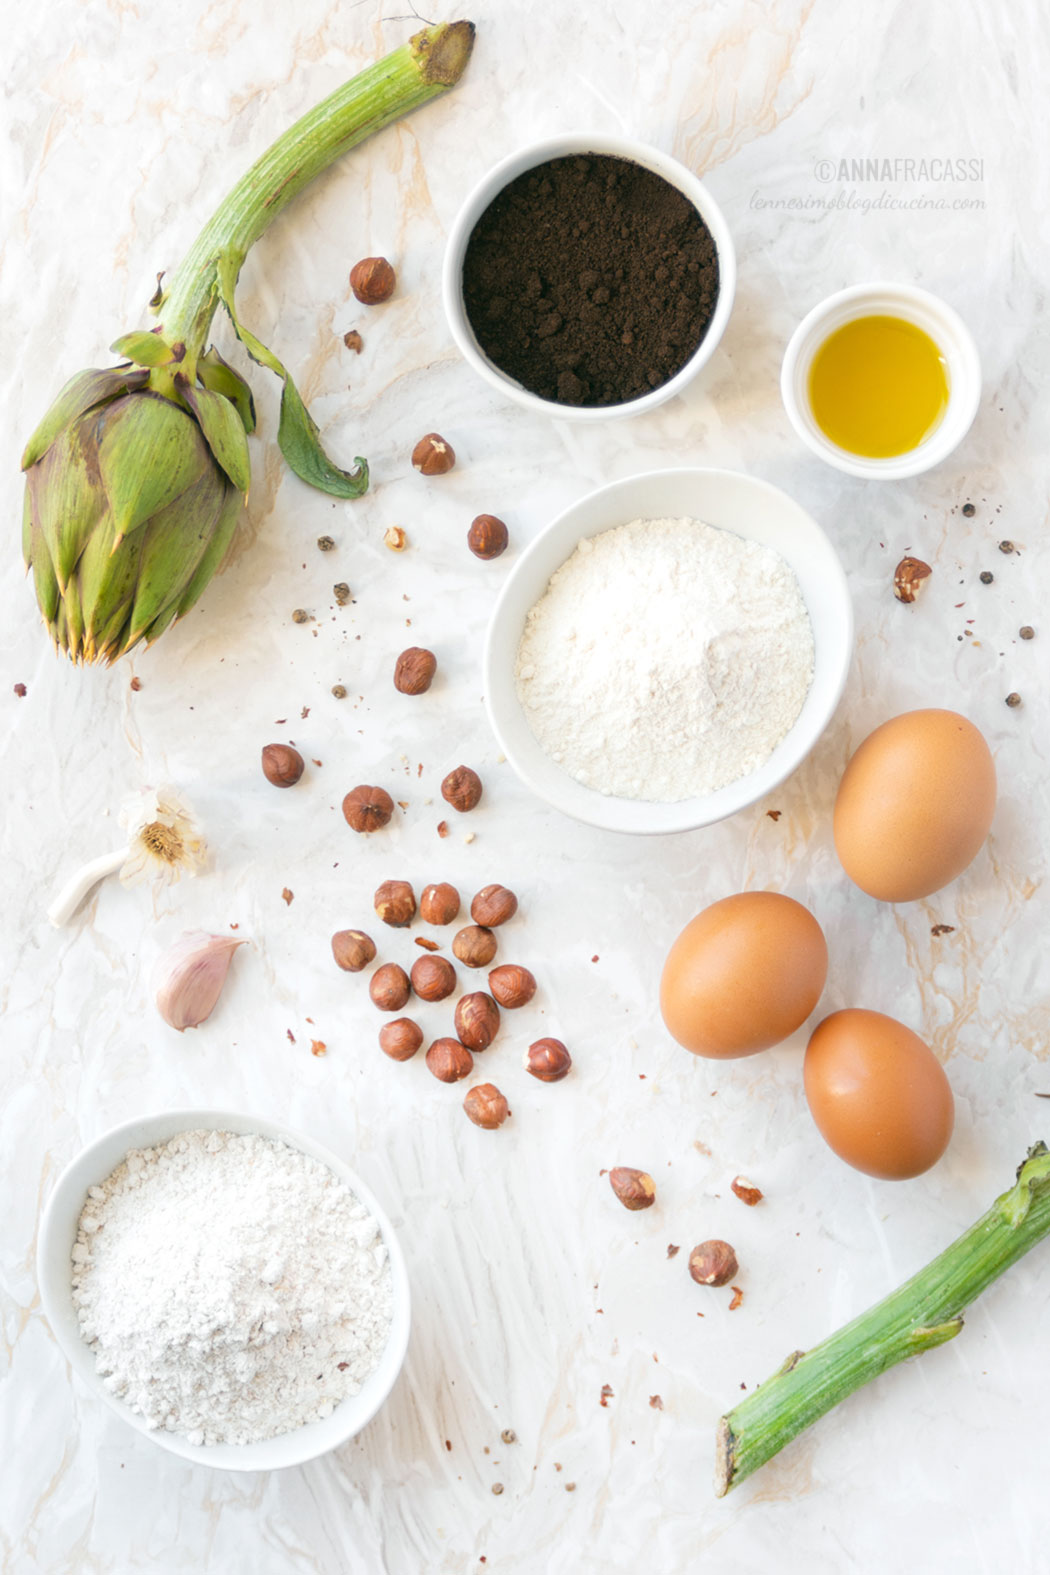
666,658
231,1288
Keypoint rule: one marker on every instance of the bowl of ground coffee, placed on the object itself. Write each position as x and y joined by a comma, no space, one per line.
589,277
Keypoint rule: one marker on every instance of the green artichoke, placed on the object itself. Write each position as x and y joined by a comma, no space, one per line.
136,477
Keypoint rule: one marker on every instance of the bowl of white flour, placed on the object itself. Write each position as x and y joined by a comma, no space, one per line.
229,1286
668,650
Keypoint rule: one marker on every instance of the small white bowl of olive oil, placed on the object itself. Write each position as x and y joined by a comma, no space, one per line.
881,380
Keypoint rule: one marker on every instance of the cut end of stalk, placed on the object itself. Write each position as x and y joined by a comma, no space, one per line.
724,1442
443,52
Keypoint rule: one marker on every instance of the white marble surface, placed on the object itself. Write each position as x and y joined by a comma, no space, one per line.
124,124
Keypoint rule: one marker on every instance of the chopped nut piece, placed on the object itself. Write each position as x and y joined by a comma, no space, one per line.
486,1106
737,1298
635,1189
442,828
288,896
656,1403
713,1263
433,456
942,929
21,691
908,577
606,1394
318,1047
353,341
395,538
746,1191
672,1250
136,684
427,944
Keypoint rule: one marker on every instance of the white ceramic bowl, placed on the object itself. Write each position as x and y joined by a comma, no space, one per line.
725,498
58,1231
944,326
557,148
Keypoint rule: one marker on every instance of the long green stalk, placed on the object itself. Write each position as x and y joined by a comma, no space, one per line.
925,1311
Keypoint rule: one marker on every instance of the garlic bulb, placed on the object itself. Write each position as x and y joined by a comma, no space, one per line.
189,977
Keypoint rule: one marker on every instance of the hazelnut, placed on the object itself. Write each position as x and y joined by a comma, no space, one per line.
367,808
487,1108
389,987
635,1189
433,978
400,1039
487,536
549,1060
395,903
439,904
372,280
432,456
908,577
477,1020
713,1263
474,946
493,905
512,985
353,950
449,1060
395,538
282,765
746,1191
414,671
462,789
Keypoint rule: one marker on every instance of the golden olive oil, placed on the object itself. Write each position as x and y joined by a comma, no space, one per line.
878,386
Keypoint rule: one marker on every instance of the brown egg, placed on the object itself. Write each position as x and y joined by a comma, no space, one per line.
743,975
914,805
878,1094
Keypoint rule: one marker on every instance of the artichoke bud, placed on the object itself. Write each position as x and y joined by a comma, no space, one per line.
131,499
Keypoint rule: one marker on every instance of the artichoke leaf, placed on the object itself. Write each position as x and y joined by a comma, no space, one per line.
297,434
48,595
223,432
64,501
219,376
81,393
147,349
106,579
149,452
211,562
172,548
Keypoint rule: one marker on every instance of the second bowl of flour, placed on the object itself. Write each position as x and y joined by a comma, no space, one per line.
668,650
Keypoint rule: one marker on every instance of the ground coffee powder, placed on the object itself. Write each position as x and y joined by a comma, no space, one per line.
590,280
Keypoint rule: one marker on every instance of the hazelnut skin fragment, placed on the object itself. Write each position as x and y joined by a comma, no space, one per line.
372,280
282,765
746,1191
433,978
474,946
353,950
487,537
439,904
486,1106
449,1060
493,906
635,1189
477,1020
512,985
389,987
462,789
713,1263
400,1039
414,671
548,1060
395,903
367,809
433,456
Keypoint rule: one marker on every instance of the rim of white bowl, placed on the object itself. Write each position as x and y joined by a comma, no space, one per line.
656,817
915,305
563,146
67,1198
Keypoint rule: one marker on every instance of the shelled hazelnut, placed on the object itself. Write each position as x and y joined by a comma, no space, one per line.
449,1060
477,1020
439,904
548,1060
474,946
512,985
713,1263
282,765
395,903
486,1106
389,987
367,809
433,978
414,671
493,906
400,1039
635,1189
462,789
487,536
353,950
372,280
432,456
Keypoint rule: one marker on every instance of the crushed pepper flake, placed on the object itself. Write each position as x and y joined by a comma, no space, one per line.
656,1402
606,1395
